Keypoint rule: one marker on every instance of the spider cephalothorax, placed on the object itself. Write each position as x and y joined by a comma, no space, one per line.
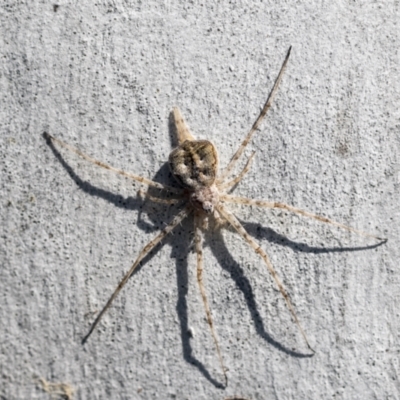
194,164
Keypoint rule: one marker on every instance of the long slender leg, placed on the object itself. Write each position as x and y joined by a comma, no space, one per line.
267,204
243,233
110,168
154,199
199,251
235,181
146,249
256,124
182,130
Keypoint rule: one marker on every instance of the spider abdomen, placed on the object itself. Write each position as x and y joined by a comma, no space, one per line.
194,164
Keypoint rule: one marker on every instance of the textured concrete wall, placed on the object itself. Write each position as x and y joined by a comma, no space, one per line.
104,76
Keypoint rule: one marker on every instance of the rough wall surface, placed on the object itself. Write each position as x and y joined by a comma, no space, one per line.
104,76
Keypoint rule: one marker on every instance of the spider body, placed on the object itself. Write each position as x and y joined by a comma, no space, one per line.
194,163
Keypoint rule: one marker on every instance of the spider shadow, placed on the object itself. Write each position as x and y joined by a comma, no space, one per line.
128,203
180,248
181,243
225,259
260,232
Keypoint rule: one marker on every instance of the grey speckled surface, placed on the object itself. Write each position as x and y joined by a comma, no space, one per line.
104,76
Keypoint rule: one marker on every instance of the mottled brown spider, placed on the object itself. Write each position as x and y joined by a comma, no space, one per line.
194,163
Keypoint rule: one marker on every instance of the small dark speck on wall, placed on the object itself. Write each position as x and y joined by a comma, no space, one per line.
55,7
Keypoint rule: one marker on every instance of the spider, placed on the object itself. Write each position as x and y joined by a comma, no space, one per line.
194,163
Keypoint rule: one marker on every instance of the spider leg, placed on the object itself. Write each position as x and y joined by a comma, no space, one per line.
266,204
146,249
182,130
154,199
199,251
256,124
235,181
110,168
256,247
